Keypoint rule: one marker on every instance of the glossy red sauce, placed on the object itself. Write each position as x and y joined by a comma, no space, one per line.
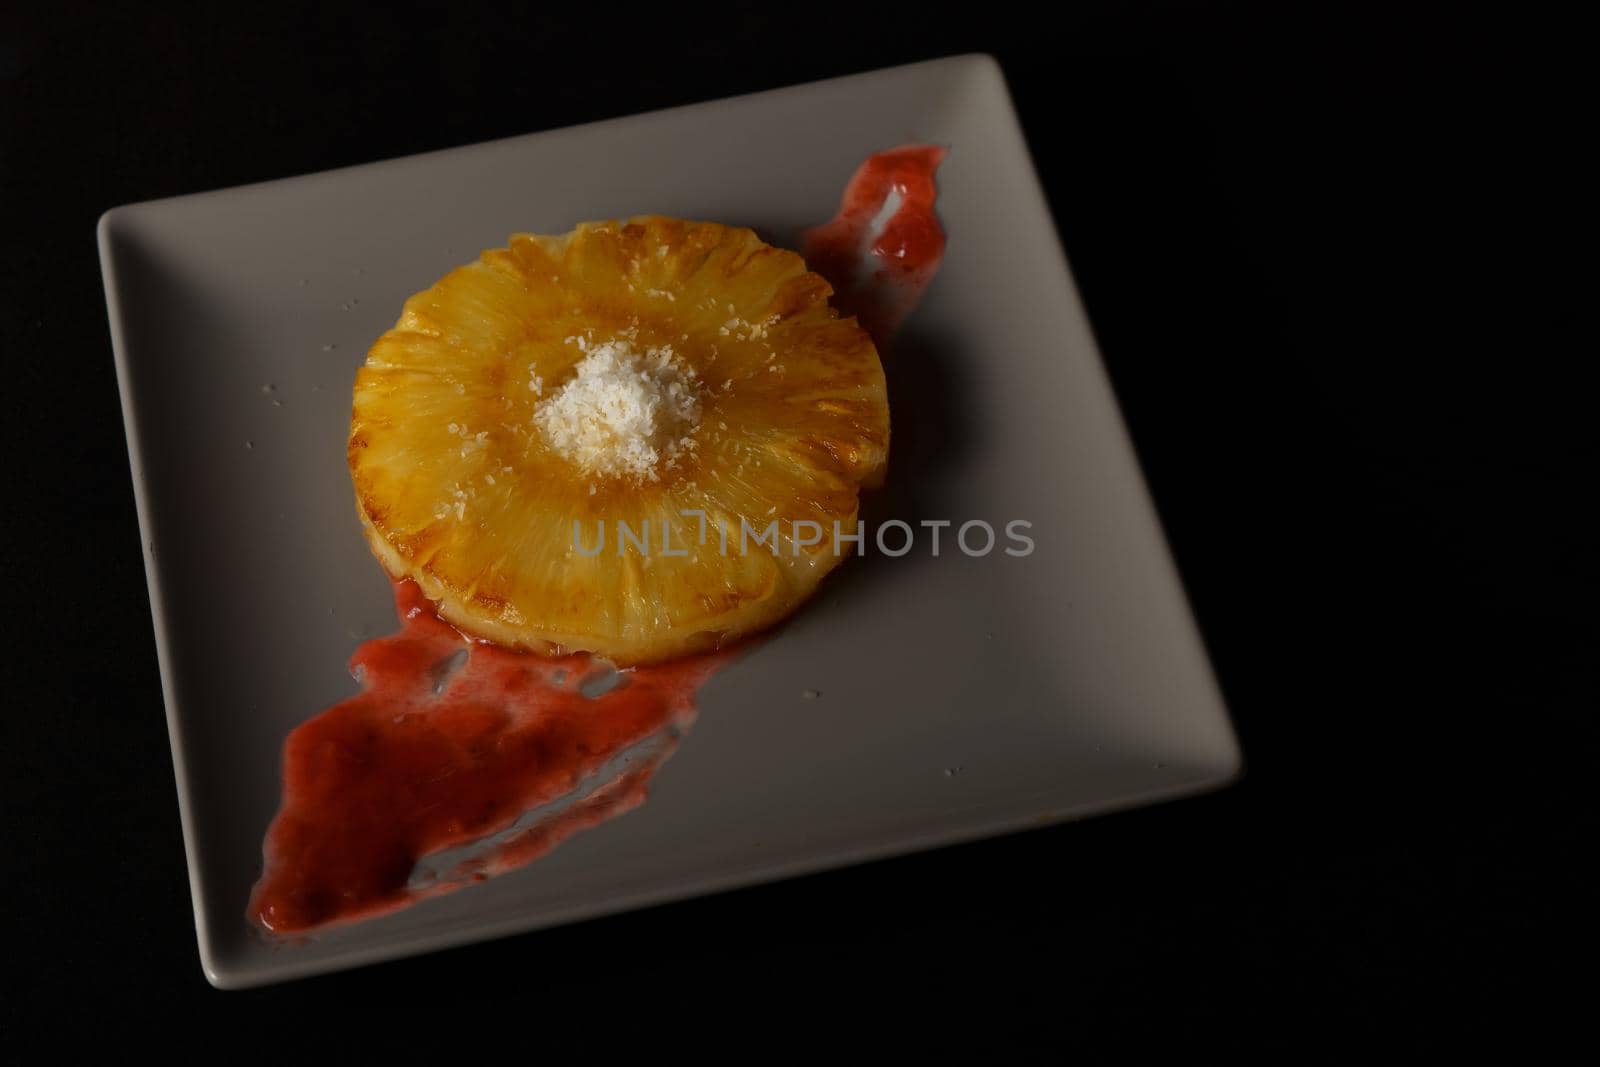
445,771
879,276
397,773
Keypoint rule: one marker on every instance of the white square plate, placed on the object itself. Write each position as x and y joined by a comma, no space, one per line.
960,697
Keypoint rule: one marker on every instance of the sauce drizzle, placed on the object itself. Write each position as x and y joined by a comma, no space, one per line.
452,742
880,278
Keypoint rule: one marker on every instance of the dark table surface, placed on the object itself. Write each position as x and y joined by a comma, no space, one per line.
1372,476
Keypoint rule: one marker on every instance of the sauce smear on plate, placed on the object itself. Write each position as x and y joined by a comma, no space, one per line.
885,245
452,742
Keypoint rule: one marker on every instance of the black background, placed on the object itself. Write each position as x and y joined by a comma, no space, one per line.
1298,241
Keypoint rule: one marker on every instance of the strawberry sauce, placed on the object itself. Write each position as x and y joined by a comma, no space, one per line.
449,743
879,277
460,760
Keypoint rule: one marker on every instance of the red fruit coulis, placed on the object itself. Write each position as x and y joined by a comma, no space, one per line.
460,760
878,267
452,742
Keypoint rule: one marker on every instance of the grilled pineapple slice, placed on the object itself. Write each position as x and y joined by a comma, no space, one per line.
682,378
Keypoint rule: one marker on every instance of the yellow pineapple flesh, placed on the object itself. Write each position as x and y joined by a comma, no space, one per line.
491,443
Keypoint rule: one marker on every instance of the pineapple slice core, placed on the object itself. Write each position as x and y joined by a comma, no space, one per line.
682,378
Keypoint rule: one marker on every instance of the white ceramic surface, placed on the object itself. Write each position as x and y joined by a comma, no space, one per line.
959,697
